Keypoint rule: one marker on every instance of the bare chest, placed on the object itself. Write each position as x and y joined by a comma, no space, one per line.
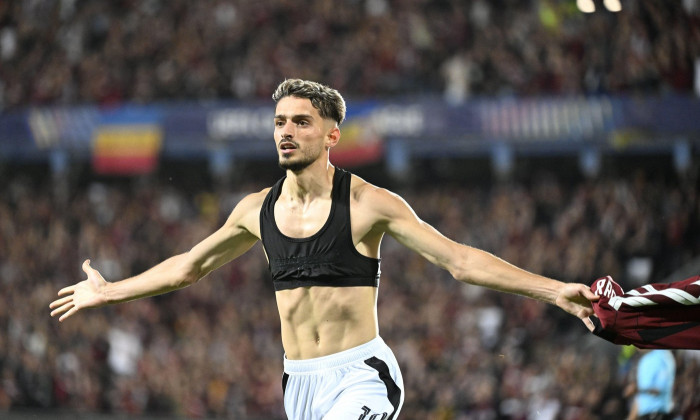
301,220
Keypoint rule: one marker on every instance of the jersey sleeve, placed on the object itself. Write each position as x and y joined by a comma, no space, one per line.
660,315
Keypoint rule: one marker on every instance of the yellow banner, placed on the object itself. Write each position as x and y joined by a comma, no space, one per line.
127,140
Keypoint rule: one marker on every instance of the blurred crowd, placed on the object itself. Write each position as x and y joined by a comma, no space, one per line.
213,350
107,52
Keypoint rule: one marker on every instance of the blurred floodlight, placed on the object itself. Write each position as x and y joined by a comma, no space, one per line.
586,6
612,5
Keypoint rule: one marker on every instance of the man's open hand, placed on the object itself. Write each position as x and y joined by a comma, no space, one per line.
86,294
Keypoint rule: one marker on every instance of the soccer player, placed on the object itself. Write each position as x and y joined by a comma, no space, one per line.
321,229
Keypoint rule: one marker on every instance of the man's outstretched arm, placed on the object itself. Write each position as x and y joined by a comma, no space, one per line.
235,237
471,265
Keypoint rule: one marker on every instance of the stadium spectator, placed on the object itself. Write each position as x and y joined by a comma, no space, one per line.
78,51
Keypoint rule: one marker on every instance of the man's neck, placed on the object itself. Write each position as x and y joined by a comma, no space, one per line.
314,181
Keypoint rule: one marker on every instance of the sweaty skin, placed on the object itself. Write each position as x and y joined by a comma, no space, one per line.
318,321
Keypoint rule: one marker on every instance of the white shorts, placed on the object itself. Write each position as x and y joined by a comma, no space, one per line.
361,383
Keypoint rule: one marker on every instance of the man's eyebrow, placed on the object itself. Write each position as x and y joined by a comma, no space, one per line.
297,116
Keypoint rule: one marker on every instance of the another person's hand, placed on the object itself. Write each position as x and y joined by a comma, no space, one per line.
576,299
88,293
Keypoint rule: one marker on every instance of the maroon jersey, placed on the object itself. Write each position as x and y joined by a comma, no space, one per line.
655,316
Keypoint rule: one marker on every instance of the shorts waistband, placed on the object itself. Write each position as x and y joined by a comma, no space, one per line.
336,360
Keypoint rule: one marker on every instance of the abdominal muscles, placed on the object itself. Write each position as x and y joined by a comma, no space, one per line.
318,321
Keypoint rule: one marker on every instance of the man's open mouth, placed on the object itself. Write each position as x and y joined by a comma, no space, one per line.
287,146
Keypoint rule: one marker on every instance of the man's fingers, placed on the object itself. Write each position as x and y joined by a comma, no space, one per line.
66,290
58,302
590,295
63,308
67,314
589,324
86,267
65,304
585,313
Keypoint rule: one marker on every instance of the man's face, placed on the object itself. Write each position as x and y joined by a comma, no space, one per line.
300,133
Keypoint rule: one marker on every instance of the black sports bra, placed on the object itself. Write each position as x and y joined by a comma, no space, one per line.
326,258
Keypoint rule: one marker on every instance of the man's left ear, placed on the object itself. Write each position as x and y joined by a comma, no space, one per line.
333,137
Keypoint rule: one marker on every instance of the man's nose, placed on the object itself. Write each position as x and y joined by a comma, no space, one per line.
287,131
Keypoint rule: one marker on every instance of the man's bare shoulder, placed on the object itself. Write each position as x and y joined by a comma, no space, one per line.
371,197
246,214
361,190
253,201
